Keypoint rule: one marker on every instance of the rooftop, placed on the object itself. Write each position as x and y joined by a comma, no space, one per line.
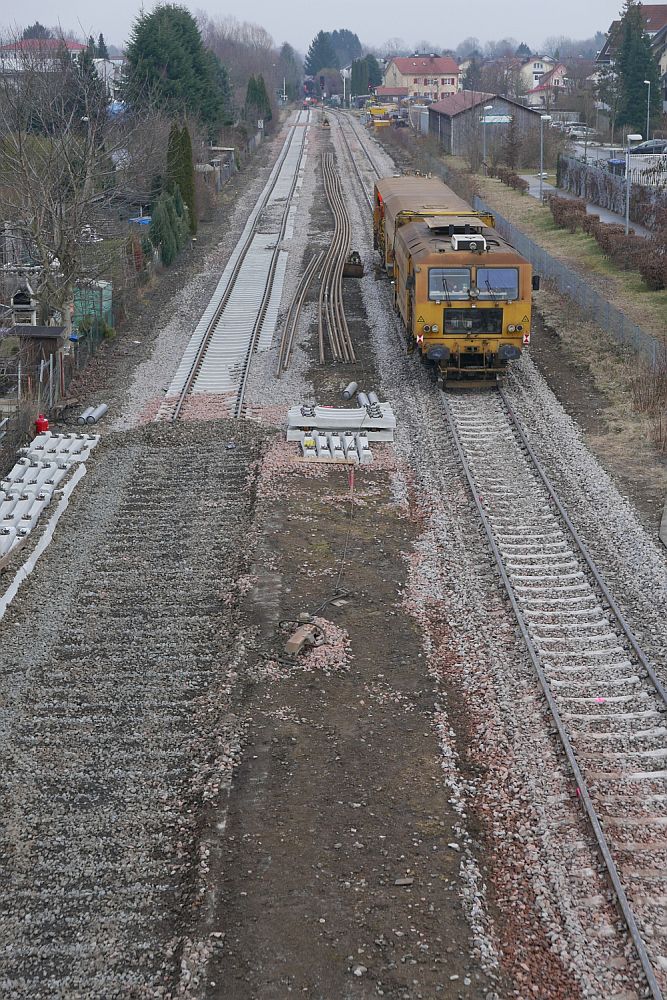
425,64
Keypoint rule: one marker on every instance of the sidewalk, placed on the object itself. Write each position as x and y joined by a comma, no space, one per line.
604,213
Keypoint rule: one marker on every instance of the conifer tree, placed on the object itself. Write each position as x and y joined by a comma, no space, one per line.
173,156
321,54
263,100
635,63
102,50
166,63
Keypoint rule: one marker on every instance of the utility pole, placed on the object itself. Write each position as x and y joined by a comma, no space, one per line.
543,119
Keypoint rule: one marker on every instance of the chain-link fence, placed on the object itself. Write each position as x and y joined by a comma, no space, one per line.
593,305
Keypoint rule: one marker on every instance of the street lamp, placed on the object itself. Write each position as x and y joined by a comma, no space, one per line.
543,119
648,110
628,139
487,107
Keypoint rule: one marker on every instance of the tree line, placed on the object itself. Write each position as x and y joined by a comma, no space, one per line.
66,161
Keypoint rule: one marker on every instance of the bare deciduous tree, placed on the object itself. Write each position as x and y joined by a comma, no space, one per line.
63,160
245,50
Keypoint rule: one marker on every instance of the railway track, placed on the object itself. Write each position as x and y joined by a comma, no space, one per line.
244,306
361,147
607,703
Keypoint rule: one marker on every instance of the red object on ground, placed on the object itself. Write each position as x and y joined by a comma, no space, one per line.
41,424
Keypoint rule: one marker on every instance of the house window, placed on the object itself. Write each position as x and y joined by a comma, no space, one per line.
416,80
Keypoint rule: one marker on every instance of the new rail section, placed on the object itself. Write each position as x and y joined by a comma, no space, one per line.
606,700
217,359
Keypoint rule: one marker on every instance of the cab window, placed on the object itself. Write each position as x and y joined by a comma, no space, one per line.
446,283
498,283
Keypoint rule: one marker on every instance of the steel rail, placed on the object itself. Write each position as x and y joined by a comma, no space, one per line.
238,406
191,377
294,313
596,824
360,140
330,302
338,309
327,270
613,606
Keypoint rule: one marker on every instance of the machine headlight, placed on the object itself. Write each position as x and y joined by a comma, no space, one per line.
426,329
435,328
511,328
519,327
473,293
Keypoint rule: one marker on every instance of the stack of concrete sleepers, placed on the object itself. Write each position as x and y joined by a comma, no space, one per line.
31,484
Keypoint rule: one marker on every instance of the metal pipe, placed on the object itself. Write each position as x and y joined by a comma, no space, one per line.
97,413
82,418
373,399
363,400
349,390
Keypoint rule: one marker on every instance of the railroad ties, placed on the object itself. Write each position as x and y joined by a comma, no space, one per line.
44,469
243,311
340,434
606,701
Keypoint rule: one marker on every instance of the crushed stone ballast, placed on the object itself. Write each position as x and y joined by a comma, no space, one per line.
607,702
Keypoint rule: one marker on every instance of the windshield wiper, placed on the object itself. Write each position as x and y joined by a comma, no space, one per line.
490,290
445,288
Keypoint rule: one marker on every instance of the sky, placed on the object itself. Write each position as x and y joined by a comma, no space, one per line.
445,25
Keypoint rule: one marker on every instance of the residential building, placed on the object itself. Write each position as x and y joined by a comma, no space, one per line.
551,86
45,52
110,72
454,119
426,77
533,69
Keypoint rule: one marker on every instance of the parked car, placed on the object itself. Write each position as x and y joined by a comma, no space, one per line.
655,146
581,132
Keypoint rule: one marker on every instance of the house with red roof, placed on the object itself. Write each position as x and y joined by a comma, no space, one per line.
424,77
44,53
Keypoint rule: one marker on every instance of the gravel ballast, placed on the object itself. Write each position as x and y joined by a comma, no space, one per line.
118,666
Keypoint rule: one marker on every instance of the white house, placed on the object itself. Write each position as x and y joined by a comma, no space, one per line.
533,69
